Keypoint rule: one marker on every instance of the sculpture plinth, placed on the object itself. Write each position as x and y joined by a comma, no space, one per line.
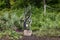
27,32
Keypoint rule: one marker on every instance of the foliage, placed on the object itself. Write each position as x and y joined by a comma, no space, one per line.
22,3
10,19
44,25
39,21
12,35
9,23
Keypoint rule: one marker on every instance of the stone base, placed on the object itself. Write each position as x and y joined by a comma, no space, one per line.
27,32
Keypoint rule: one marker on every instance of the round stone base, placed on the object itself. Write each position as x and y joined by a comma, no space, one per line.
27,32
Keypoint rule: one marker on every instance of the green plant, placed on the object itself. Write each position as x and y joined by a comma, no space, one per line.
13,35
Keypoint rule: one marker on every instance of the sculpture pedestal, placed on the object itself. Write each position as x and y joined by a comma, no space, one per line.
27,32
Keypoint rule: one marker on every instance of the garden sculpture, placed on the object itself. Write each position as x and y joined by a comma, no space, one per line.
27,21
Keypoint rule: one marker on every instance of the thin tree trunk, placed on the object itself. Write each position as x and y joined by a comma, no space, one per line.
44,7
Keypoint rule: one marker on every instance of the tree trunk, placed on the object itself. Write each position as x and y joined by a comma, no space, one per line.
44,7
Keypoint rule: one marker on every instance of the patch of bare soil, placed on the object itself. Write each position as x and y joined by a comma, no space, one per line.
33,38
39,38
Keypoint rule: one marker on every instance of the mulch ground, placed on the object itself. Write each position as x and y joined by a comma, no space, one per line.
39,38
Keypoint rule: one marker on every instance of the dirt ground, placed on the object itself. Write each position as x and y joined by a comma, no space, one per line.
39,38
